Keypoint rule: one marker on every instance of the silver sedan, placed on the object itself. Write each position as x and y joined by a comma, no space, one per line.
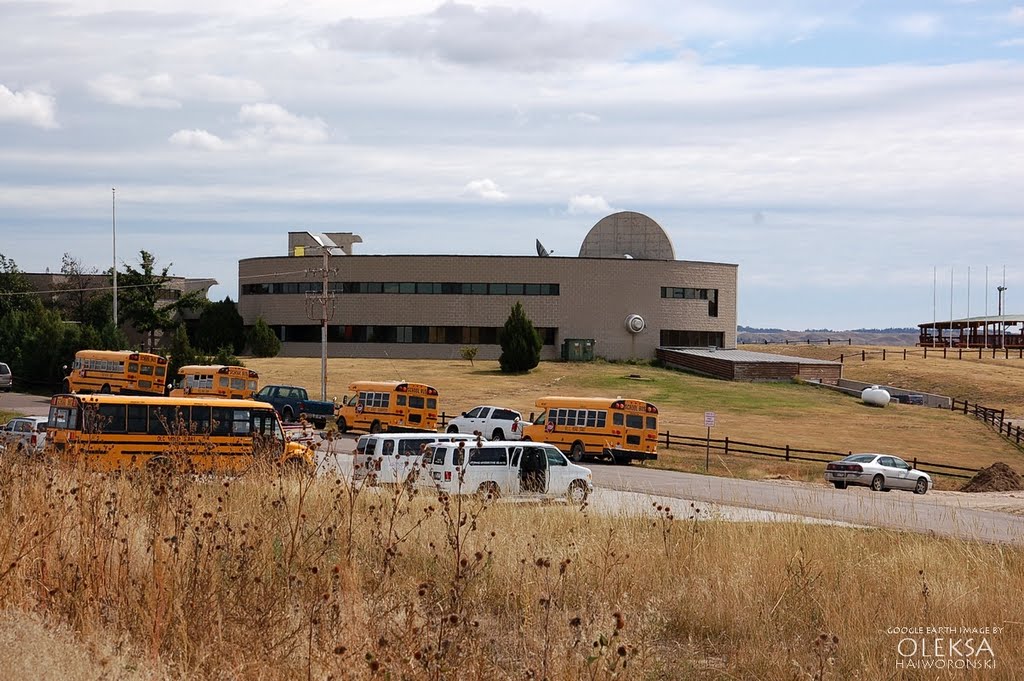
880,472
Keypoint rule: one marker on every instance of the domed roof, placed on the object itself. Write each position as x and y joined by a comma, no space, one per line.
627,234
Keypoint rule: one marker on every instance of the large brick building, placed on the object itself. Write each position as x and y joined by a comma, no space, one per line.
626,291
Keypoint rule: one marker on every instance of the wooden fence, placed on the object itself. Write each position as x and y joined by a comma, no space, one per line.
788,453
945,353
994,417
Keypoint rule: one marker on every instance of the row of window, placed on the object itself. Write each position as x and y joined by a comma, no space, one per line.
107,365
495,456
355,333
406,287
171,420
692,339
596,418
682,293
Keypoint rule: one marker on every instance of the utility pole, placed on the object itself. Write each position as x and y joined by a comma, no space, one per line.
113,232
324,300
1002,324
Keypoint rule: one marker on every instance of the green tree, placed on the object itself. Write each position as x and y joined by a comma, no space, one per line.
142,303
520,343
220,326
13,287
78,286
262,340
181,353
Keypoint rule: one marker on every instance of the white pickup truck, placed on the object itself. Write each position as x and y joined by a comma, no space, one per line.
493,423
24,434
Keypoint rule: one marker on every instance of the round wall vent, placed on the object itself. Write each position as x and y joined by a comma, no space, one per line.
635,323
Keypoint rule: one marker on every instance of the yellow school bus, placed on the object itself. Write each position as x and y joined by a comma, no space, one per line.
116,372
216,380
376,406
618,429
185,434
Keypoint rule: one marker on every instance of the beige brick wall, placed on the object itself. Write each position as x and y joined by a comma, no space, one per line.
596,296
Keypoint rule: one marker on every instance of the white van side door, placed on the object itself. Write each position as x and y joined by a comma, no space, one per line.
558,472
513,470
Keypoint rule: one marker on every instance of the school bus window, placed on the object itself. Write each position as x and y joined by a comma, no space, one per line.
133,367
400,400
431,403
200,420
634,421
240,425
652,423
415,402
237,383
162,420
137,418
617,418
221,421
146,369
161,370
111,418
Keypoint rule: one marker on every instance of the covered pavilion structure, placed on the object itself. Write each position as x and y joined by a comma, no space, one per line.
997,331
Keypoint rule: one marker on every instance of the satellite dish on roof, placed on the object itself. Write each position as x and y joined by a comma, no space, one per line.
541,251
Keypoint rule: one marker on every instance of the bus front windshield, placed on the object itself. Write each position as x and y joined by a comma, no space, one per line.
542,419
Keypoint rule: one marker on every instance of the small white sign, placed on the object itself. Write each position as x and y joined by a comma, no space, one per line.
709,419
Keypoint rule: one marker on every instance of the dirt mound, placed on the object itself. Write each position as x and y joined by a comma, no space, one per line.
996,478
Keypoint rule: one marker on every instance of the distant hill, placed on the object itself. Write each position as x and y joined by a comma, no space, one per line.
893,336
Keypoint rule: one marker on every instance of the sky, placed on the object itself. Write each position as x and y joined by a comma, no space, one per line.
855,158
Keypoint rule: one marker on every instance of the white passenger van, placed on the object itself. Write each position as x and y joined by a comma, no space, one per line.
503,468
389,459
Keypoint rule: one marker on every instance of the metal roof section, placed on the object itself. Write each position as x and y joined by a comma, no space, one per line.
748,356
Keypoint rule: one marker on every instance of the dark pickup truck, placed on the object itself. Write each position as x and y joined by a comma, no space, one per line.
292,401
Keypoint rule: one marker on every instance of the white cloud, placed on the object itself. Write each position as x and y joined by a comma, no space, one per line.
919,25
28,106
584,117
485,189
166,91
1012,42
585,204
1016,15
273,123
152,92
198,139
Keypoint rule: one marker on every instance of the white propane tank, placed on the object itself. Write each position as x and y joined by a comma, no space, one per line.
875,396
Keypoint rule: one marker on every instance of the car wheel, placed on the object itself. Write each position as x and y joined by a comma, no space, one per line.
577,451
878,483
839,485
577,492
319,424
375,427
342,425
489,490
66,386
286,414
453,429
921,487
497,434
105,390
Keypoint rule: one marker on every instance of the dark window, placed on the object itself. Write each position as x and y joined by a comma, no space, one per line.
400,400
111,418
478,289
138,418
652,423
497,289
692,339
634,421
514,289
488,456
415,402
222,420
617,419
531,289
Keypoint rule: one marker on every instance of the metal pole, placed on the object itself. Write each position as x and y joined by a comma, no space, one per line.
707,452
935,317
950,305
323,331
113,233
986,307
970,327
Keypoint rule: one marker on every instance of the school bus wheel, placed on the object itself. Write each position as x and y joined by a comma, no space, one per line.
375,427
342,425
577,451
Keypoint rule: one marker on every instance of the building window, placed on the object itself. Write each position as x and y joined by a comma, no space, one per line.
682,293
450,335
692,339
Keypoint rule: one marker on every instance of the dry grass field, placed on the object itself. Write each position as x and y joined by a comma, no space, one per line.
270,577
802,416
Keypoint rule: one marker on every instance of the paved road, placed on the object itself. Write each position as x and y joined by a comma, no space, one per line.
23,403
896,510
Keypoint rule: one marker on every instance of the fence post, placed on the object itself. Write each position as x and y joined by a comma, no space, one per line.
883,354
965,407
1007,351
667,436
787,452
726,445
863,355
840,358
849,341
960,353
915,462
943,352
926,352
1002,416
979,353
904,353
829,341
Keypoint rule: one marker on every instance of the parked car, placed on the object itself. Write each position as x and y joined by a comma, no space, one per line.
389,459
504,468
6,378
493,423
24,435
880,472
292,401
